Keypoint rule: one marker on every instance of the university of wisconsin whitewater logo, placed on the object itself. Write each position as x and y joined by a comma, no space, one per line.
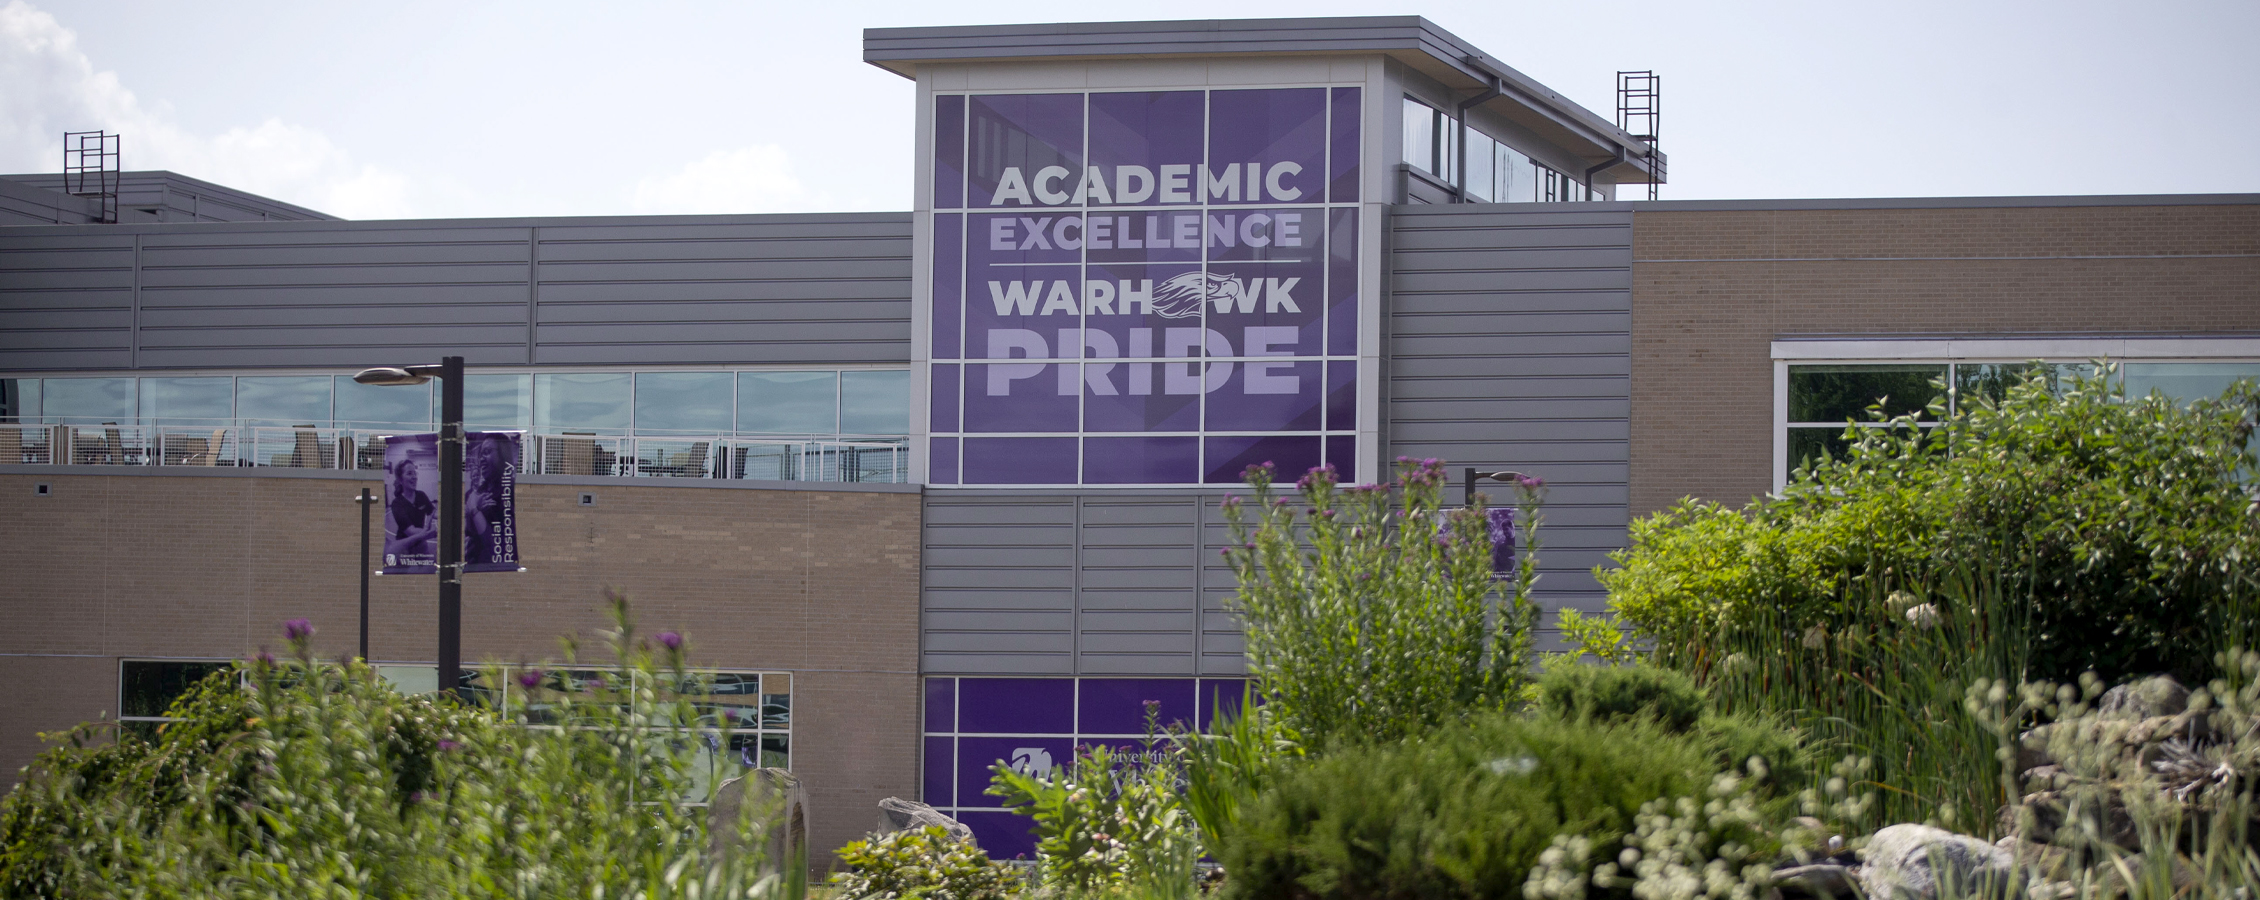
1034,762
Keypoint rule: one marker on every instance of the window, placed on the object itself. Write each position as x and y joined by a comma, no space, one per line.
88,401
789,403
1482,167
1420,135
19,399
494,402
379,407
1817,399
874,403
686,402
2186,381
591,401
1823,398
1517,176
283,400
147,689
1431,137
188,401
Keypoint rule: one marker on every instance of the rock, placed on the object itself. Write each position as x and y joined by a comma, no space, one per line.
1915,862
779,812
2158,695
897,814
1822,881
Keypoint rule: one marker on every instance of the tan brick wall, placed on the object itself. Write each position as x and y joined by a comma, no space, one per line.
1711,290
823,584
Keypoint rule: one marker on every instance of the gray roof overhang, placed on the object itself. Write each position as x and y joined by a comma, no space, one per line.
1412,40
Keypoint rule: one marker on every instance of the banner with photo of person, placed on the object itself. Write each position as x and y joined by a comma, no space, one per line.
492,461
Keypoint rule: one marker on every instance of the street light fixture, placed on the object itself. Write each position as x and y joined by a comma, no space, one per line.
450,375
1474,476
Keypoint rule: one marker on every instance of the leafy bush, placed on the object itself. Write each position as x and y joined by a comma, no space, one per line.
303,778
1109,822
1787,762
2122,525
1616,693
1466,812
1372,612
923,862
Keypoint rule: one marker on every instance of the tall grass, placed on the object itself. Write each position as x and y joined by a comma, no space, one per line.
1885,679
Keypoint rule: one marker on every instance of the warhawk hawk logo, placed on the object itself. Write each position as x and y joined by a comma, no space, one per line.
1034,762
1182,296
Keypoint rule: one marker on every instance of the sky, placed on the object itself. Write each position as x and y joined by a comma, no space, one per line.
412,109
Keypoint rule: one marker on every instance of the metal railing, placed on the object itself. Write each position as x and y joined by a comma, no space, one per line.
567,453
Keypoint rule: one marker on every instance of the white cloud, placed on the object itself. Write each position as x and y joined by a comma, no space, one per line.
756,179
53,87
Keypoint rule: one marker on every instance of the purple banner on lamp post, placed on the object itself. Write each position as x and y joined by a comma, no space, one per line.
492,462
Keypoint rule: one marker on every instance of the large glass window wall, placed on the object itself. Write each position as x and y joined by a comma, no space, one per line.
817,403
1496,173
797,424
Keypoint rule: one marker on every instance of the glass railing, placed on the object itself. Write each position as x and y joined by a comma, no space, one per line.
238,445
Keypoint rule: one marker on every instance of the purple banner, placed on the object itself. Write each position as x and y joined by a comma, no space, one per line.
492,462
1150,270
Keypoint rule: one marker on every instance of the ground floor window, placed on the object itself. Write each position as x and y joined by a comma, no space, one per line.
745,717
1816,397
147,689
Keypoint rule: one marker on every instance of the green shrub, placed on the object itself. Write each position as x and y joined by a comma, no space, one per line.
2123,525
1109,822
1466,812
1617,693
1372,613
303,778
1787,762
922,862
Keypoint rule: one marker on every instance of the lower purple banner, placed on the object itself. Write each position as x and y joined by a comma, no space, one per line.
492,461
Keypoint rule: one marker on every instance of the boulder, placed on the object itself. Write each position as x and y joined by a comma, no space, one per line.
897,814
1918,862
779,810
2147,698
1820,881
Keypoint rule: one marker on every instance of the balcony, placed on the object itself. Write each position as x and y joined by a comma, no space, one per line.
238,445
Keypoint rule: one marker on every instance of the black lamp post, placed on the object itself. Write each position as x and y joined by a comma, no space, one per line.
450,374
1474,476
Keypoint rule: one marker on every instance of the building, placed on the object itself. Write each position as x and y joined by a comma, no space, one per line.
946,481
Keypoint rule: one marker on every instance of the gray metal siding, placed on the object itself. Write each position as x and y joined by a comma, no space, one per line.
660,290
1510,341
1063,584
161,196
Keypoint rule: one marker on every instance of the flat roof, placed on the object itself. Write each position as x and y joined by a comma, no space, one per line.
1412,40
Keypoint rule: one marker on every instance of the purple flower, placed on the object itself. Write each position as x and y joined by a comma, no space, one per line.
298,629
446,746
1529,482
265,658
1326,514
1151,705
530,679
671,640
1232,502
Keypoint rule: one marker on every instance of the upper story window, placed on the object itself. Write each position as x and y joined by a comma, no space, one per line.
815,403
1496,172
791,425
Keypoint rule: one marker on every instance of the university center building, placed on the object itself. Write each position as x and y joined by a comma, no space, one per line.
939,488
